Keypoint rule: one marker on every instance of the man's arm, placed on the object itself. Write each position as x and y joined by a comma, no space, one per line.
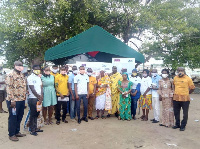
76,92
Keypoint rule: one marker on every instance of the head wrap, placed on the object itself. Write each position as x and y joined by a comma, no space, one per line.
126,75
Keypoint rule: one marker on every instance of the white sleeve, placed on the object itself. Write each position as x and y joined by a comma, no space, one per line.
149,82
30,81
75,79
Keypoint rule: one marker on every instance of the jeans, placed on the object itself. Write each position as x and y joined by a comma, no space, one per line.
85,105
72,105
15,120
133,103
177,109
32,102
58,109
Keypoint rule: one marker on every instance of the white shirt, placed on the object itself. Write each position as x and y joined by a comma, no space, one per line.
145,83
135,81
81,81
36,82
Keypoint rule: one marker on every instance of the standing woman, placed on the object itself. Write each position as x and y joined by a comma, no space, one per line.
102,84
145,98
166,95
49,95
125,87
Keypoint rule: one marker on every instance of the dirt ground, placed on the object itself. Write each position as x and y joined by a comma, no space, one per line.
109,133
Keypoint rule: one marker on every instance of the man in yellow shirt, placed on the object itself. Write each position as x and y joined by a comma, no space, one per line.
54,70
92,92
114,78
183,87
62,91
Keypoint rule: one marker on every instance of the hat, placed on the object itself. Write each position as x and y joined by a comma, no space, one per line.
134,70
18,63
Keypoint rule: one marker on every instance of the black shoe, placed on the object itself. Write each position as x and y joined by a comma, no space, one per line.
64,121
152,119
155,121
79,120
182,128
86,119
39,130
91,118
34,133
82,118
116,114
58,122
175,127
108,115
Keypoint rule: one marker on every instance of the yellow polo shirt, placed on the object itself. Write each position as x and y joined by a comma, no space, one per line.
92,82
62,87
54,74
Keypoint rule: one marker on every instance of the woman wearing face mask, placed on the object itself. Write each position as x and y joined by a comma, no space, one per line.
49,95
166,95
145,98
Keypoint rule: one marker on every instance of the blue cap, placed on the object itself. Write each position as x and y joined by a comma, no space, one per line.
134,70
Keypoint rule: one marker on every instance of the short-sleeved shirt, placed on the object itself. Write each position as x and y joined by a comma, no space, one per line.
36,82
61,81
71,80
135,80
92,82
54,74
155,80
145,83
81,81
182,86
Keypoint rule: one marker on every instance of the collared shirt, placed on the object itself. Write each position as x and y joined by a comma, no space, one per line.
81,81
135,81
92,82
54,74
145,83
71,80
182,87
15,86
61,83
155,81
36,81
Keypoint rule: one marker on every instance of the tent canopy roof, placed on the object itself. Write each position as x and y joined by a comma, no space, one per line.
93,39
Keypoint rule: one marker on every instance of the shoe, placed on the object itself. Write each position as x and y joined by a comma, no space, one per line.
39,130
34,133
13,138
79,120
91,118
161,125
65,121
116,114
58,122
175,127
20,135
108,115
152,119
182,128
155,121
85,119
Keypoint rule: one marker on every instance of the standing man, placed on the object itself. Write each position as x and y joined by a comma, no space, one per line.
114,78
81,85
72,93
62,94
155,96
183,87
92,92
35,97
54,70
2,89
16,96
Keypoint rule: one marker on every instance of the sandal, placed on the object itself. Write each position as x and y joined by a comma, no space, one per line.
145,119
3,111
46,123
97,117
161,125
103,117
119,118
142,117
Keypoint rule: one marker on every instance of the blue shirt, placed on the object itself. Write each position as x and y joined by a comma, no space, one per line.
71,80
155,81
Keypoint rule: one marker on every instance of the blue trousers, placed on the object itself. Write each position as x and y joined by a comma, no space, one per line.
85,105
15,120
72,105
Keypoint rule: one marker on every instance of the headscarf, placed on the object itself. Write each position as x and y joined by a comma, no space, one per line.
126,75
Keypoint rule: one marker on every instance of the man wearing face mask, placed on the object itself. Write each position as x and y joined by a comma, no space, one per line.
72,93
16,96
155,96
54,70
183,87
62,90
135,92
35,97
81,86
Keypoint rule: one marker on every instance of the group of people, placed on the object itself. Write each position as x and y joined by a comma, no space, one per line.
58,89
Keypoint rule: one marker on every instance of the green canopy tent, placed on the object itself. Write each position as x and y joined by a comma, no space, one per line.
97,43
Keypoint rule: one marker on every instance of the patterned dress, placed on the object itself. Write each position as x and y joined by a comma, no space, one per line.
125,103
166,92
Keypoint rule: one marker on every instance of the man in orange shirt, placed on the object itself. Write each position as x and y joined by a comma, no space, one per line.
92,92
183,87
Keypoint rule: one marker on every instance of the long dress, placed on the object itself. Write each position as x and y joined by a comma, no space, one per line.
166,93
49,91
125,103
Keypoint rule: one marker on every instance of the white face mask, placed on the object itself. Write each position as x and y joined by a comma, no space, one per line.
54,70
164,75
89,73
75,71
153,74
144,75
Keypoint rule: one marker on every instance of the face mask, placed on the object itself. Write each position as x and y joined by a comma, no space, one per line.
89,73
164,75
180,74
82,71
63,72
134,74
75,71
144,75
153,74
37,72
54,70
